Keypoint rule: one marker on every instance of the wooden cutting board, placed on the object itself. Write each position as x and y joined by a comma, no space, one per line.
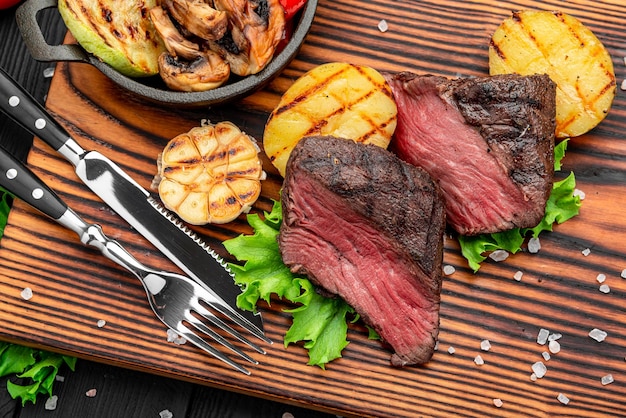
74,287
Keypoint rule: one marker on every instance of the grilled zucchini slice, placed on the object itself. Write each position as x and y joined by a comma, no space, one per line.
210,174
336,99
118,32
557,44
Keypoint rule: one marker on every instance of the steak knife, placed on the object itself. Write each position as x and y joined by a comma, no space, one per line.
133,203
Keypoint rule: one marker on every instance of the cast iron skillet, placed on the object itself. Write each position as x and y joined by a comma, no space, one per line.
152,88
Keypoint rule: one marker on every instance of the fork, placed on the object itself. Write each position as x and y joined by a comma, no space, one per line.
175,299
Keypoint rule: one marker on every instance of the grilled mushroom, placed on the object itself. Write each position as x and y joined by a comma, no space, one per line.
175,43
255,28
199,18
207,71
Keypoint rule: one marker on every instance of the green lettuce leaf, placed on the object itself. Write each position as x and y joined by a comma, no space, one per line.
318,322
5,206
561,206
35,369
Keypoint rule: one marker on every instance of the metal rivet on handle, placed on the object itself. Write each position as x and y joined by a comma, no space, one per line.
40,124
37,193
11,173
14,101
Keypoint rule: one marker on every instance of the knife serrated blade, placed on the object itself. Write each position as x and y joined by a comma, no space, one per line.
131,202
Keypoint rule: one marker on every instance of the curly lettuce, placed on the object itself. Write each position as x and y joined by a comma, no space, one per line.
320,323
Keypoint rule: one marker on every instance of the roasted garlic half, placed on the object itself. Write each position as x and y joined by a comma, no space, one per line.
210,174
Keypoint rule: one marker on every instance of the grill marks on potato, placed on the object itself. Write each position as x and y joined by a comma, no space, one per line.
325,86
554,43
336,99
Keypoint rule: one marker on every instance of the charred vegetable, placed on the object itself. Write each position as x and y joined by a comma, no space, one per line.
554,43
210,174
120,33
335,99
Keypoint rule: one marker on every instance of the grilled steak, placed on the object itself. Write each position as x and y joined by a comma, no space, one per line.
366,226
489,142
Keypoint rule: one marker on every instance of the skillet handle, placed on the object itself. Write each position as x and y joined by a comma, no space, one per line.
39,48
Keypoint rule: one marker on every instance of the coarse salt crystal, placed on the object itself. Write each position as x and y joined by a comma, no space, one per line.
598,334
554,346
59,378
173,337
539,369
601,278
27,293
383,26
605,288
563,399
533,377
166,413
479,360
448,270
542,336
451,350
545,355
51,403
499,255
607,379
555,336
498,403
287,415
534,245
623,86
91,393
518,276
485,345
586,252
581,195
623,275
48,72
101,323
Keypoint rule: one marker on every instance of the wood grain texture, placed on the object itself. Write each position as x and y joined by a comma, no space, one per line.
74,287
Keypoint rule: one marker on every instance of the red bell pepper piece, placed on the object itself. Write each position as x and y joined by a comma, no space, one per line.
291,7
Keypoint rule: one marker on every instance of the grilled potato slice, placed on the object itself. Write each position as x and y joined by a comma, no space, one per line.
210,174
118,32
337,99
557,44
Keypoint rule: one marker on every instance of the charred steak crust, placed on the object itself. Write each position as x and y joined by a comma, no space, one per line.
364,225
489,141
516,117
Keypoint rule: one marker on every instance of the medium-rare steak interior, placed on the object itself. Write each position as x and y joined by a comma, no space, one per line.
366,226
488,141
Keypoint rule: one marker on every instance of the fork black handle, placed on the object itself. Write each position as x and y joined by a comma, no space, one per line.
19,180
19,105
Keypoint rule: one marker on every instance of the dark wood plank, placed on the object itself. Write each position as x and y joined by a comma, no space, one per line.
558,291
99,390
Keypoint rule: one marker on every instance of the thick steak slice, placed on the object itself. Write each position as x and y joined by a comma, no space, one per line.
488,141
364,225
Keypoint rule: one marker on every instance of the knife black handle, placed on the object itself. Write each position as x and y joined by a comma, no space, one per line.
21,106
18,179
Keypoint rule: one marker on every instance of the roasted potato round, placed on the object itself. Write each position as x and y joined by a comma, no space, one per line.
335,99
557,44
210,174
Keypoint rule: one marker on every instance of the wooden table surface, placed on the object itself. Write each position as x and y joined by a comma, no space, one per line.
74,287
121,392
